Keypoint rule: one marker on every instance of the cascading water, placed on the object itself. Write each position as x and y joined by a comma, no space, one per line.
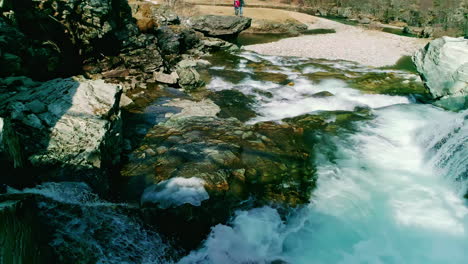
385,196
89,230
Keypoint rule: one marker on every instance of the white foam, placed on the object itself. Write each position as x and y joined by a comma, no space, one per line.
296,98
175,192
379,200
291,101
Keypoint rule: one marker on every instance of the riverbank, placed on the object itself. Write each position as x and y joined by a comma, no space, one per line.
352,43
367,47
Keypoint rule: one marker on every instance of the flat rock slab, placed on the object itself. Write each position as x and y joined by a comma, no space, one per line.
219,26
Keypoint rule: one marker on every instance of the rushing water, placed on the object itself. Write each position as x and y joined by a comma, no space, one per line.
391,193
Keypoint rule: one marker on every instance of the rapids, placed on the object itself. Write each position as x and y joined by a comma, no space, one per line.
392,192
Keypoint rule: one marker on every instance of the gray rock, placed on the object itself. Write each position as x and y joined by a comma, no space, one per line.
214,44
220,26
168,40
82,128
166,78
189,78
125,101
443,66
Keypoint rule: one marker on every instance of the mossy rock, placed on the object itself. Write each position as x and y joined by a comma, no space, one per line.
322,94
278,78
387,83
263,164
234,104
319,76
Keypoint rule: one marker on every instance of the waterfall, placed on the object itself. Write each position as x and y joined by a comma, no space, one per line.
446,144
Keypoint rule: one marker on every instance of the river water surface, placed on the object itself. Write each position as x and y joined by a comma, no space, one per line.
390,186
390,192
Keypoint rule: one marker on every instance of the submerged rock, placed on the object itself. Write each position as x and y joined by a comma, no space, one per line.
69,126
220,26
234,104
443,65
238,166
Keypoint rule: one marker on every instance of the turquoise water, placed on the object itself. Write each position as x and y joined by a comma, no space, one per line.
392,192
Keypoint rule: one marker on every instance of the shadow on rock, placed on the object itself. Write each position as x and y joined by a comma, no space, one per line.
64,129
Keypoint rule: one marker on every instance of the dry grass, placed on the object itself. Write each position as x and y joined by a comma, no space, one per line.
248,2
276,15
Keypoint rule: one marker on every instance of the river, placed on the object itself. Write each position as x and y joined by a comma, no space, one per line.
390,186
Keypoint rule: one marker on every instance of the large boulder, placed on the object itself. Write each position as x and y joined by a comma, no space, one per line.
443,66
220,26
70,128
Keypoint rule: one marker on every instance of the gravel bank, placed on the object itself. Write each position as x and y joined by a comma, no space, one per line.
351,43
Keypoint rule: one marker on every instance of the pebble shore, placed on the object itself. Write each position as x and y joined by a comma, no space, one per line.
351,43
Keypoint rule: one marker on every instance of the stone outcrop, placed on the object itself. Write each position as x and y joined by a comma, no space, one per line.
443,65
20,55
53,37
226,27
68,127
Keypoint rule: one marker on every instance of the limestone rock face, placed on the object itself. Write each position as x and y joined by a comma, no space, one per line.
443,65
65,124
220,26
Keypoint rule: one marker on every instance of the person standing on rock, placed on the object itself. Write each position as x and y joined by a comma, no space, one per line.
238,7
